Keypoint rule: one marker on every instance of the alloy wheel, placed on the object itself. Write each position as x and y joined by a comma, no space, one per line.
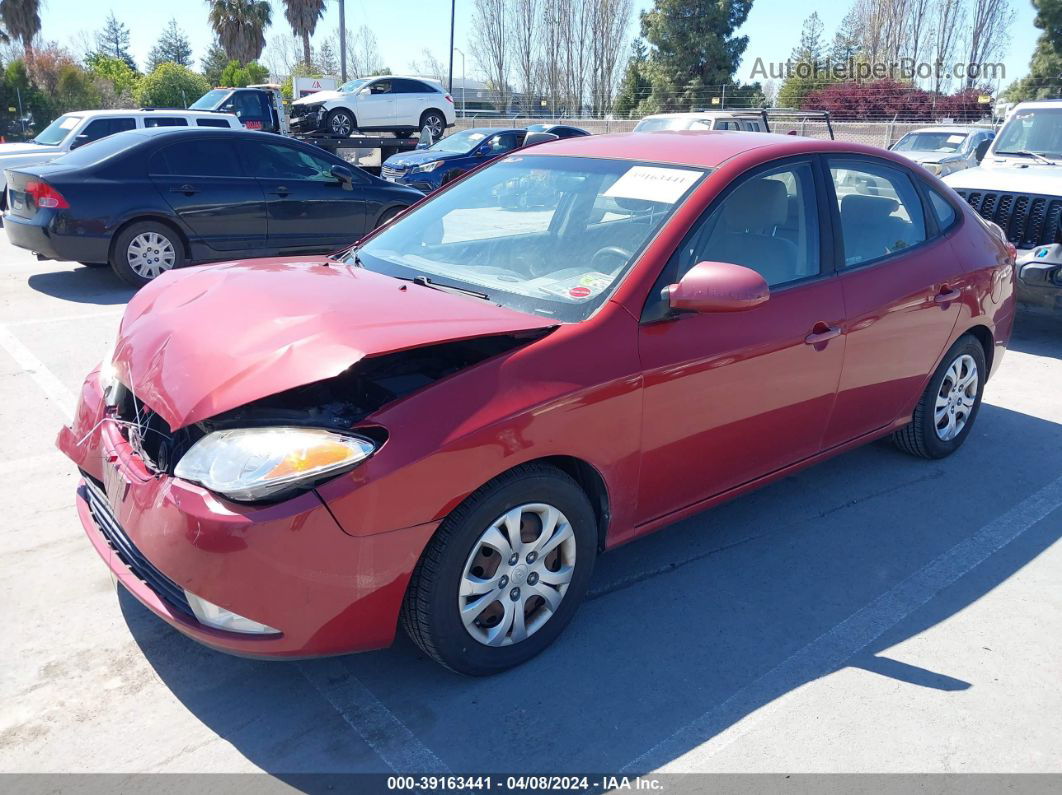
149,254
436,125
342,125
956,398
517,574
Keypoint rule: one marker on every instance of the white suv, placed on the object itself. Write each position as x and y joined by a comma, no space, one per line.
401,105
703,120
81,127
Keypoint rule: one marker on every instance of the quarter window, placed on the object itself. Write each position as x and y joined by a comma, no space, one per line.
879,208
165,121
768,223
942,208
212,123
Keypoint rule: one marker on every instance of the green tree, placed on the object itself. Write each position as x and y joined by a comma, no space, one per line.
75,90
693,49
240,26
846,40
113,40
1045,68
170,86
214,63
238,75
303,16
327,60
21,19
173,46
32,111
810,48
635,86
116,72
807,65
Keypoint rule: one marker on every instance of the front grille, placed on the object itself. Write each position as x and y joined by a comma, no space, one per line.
391,171
1027,219
127,552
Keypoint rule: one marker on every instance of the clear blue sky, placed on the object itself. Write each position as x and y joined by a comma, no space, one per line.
405,29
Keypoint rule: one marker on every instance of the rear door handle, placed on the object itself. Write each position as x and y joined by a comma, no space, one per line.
821,332
187,190
946,295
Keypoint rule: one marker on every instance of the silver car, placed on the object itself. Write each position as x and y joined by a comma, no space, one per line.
945,150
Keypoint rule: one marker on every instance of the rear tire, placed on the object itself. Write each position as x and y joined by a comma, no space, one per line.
435,121
341,123
145,250
947,409
471,567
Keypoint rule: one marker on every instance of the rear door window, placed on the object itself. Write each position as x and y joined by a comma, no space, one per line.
880,210
209,158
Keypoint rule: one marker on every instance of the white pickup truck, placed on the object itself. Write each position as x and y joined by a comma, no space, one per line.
1019,187
78,128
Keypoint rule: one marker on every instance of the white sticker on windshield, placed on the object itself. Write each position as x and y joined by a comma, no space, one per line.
654,184
66,124
956,139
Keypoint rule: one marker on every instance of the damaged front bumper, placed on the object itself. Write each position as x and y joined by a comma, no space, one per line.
1039,282
288,566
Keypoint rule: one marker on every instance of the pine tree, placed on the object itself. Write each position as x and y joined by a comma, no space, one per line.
810,48
846,41
327,62
694,51
635,87
1045,68
173,47
113,40
214,63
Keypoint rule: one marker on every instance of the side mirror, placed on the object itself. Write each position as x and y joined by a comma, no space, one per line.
982,148
344,175
717,287
79,140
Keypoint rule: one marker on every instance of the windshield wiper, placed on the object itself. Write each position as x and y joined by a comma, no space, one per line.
424,281
1034,155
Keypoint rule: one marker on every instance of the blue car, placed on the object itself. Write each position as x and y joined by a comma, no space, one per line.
446,160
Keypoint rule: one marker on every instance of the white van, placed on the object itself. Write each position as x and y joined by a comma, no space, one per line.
80,127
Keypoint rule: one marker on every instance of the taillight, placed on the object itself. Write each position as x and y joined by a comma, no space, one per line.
44,195
1012,250
449,99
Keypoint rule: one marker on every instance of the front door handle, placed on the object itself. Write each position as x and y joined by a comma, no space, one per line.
821,332
280,190
946,294
187,190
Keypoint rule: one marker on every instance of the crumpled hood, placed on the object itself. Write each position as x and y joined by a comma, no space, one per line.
1041,179
920,156
320,96
417,157
200,341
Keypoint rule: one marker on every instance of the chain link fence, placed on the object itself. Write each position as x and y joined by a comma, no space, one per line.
872,133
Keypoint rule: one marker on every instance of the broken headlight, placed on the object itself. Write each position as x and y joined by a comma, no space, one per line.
108,378
256,463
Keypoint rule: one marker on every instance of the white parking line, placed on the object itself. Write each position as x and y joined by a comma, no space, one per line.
689,748
33,321
391,739
58,395
32,463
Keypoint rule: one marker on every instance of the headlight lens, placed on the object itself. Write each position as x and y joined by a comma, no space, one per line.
254,463
933,168
434,164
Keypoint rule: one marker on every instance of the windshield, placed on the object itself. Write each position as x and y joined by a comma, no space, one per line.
56,132
674,123
352,85
458,142
1038,131
931,142
551,236
210,100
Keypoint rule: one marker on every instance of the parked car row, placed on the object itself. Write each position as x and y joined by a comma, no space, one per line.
571,347
149,200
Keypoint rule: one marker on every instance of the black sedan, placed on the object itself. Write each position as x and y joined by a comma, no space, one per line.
145,201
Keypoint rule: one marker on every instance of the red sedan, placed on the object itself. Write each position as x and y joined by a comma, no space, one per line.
573,347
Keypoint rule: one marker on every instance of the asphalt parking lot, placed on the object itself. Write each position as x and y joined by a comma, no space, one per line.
875,613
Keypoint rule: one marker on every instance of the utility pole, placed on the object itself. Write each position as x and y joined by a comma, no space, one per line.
342,41
450,81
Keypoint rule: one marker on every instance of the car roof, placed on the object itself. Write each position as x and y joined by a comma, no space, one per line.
701,148
1037,104
144,112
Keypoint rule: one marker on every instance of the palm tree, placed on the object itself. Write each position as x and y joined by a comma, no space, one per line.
241,25
303,15
22,19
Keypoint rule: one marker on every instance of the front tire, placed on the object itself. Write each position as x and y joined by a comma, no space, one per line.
947,409
340,123
144,251
504,573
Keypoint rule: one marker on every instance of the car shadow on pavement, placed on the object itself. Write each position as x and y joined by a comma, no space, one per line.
1037,333
685,633
83,285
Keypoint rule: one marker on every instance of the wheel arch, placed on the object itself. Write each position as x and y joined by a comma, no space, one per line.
161,219
984,336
